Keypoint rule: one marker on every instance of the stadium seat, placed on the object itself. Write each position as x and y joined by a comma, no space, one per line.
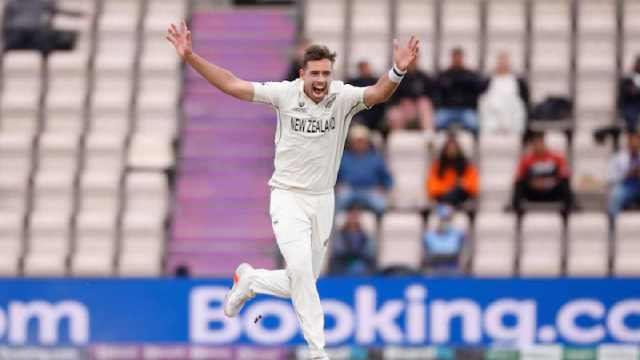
551,17
20,96
401,241
119,16
49,234
413,14
162,12
100,190
506,18
53,190
95,244
14,191
65,103
370,27
325,20
58,152
408,163
11,233
541,245
142,244
112,94
627,246
151,152
597,18
494,244
147,192
158,59
498,163
595,96
104,152
588,246
15,152
589,170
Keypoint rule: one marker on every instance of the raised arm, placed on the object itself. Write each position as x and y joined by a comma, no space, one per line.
219,77
387,84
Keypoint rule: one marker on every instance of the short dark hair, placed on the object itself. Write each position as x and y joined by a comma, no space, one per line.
318,52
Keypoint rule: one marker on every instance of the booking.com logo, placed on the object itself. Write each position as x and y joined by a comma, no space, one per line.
424,320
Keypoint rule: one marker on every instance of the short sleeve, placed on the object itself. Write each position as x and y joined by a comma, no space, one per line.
269,92
354,97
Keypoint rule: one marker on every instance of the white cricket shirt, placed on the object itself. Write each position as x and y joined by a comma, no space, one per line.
309,137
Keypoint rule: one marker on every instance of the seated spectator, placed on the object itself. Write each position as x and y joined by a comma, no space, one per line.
543,176
458,89
352,251
503,107
443,245
293,72
363,178
629,97
412,107
372,117
27,25
624,176
452,179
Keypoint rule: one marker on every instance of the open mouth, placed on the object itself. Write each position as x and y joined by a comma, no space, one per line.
318,90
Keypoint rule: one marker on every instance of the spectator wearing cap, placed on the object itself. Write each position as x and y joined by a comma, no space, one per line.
452,179
543,176
363,177
443,245
458,89
629,97
624,176
352,250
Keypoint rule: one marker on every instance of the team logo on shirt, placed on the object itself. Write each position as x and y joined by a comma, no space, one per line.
312,126
331,100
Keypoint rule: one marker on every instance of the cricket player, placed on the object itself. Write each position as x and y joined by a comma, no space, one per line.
313,117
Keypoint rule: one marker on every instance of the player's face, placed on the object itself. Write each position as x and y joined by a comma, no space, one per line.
317,77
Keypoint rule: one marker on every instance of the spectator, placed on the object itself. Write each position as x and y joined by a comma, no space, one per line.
370,117
629,97
458,91
503,107
443,246
28,25
363,178
542,176
296,61
452,179
353,252
624,176
412,106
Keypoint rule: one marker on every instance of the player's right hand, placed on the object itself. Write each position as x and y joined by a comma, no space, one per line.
181,39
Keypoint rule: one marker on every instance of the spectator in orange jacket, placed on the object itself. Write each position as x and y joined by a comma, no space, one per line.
452,179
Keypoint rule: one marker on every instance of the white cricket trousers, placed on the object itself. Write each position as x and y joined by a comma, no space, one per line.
302,225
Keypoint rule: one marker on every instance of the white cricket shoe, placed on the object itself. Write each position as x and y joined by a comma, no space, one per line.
240,292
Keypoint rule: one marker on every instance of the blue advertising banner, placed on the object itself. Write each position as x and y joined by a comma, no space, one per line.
359,311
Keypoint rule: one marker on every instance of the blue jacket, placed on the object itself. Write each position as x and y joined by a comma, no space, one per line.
364,171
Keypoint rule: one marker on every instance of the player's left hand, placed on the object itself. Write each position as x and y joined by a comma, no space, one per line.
406,55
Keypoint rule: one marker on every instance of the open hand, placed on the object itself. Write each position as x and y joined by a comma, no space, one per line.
181,39
405,56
